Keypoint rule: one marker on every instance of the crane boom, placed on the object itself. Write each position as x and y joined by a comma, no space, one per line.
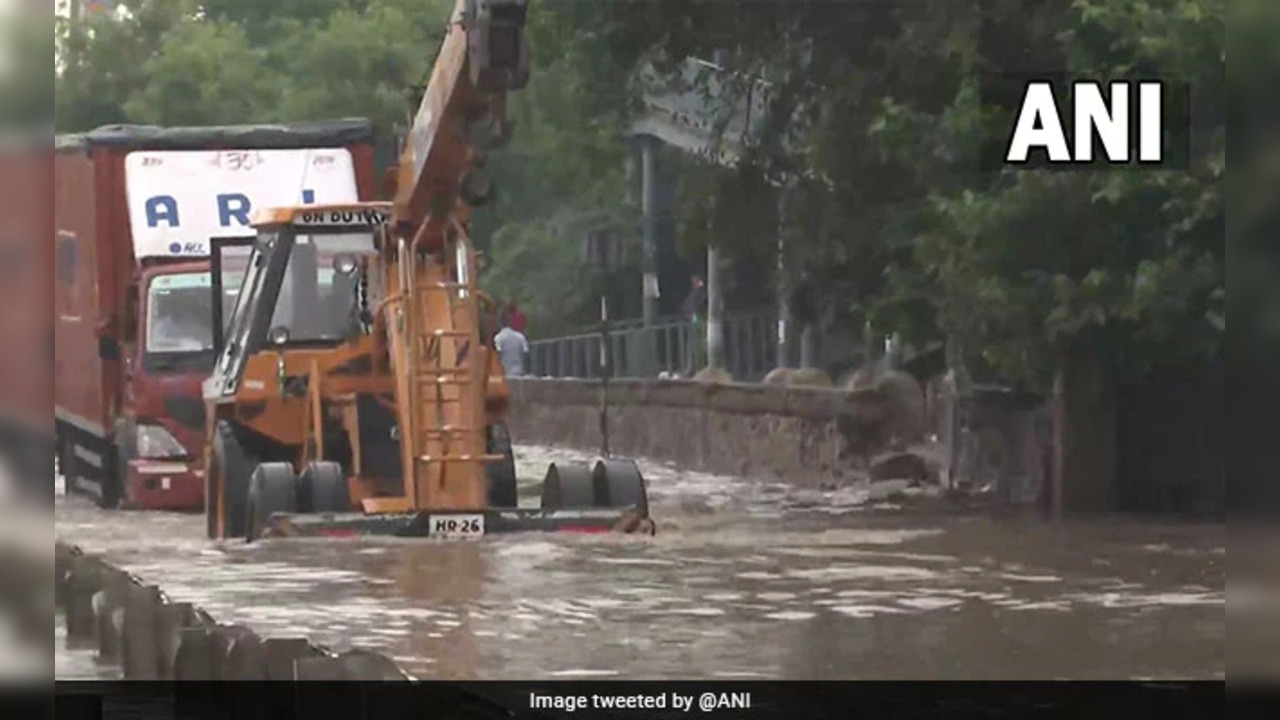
443,373
462,115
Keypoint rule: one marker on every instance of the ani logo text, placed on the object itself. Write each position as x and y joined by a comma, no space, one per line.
1116,124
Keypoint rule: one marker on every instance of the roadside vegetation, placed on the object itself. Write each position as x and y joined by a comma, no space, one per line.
898,222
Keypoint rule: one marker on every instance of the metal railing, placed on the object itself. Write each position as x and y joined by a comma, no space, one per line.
750,346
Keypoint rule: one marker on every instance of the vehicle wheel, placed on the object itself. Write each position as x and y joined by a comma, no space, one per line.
619,484
323,485
273,488
231,467
568,486
501,474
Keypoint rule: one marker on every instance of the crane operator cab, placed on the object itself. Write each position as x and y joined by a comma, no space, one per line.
304,285
352,381
294,381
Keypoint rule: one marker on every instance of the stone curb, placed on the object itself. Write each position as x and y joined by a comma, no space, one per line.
151,637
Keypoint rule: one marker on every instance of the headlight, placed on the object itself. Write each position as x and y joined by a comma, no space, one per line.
155,443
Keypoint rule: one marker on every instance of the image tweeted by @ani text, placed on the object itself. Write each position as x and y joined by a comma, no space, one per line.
704,702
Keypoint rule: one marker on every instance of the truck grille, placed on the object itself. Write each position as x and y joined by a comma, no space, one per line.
188,412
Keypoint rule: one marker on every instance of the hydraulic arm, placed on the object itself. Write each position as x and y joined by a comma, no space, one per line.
432,321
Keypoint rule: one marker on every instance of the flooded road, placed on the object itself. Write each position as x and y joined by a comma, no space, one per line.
745,579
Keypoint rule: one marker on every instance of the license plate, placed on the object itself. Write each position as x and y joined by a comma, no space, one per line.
456,526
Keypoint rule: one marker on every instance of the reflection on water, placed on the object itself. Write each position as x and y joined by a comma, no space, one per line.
745,580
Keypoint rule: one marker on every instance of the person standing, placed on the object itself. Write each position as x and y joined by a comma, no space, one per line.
695,308
512,348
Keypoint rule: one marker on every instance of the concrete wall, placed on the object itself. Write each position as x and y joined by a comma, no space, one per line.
809,435
133,625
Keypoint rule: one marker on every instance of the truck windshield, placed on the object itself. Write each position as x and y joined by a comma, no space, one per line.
310,295
179,320
316,300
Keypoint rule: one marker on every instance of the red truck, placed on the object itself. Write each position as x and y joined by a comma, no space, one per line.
135,209
26,354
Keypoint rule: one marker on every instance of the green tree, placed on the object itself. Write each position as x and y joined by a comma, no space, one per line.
104,62
564,173
898,218
878,113
206,73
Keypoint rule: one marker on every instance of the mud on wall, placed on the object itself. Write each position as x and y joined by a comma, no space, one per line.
811,435
1168,459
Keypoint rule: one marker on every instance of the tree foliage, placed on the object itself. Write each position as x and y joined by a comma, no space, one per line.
880,115
900,219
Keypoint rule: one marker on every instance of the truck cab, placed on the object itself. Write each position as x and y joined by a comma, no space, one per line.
172,353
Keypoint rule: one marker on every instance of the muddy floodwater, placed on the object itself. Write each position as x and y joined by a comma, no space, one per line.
745,579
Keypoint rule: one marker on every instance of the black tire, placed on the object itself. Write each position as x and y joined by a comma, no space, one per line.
568,486
228,457
619,484
501,475
323,488
273,488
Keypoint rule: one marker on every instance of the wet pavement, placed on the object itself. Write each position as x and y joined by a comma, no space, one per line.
745,579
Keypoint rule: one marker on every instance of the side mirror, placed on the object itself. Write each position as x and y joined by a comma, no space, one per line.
345,265
278,336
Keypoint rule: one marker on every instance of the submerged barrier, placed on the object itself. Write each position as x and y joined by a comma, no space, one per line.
135,626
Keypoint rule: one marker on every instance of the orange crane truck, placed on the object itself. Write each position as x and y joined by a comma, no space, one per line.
353,391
